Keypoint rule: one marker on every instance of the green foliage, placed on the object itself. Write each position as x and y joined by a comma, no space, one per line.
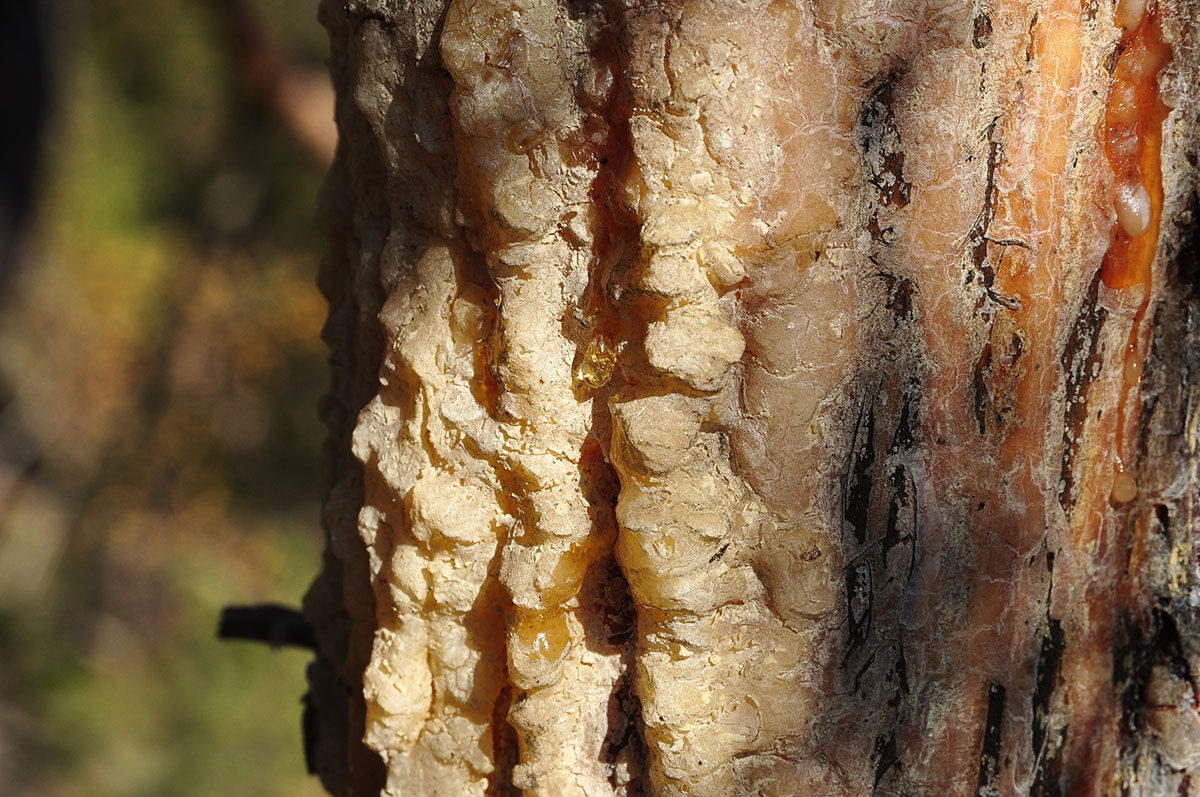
159,370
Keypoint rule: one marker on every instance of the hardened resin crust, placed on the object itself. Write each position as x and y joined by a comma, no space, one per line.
761,397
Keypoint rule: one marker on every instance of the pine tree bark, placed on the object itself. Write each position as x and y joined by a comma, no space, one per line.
761,397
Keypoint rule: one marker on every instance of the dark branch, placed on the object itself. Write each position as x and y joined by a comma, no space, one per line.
276,625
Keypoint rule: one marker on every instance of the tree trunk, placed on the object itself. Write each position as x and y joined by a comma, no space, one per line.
761,397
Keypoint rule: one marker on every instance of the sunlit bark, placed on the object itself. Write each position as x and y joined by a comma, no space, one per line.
764,397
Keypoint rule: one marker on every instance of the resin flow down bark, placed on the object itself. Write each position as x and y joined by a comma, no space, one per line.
764,397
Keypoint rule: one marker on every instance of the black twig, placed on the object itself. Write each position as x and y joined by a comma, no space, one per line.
267,622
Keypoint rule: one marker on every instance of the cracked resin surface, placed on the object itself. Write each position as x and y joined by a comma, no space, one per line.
727,397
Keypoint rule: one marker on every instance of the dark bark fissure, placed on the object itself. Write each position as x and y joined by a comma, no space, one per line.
883,156
856,501
1080,361
989,756
879,503
1047,762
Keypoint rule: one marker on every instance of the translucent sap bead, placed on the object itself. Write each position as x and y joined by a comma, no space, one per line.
1133,209
1130,13
1124,488
599,360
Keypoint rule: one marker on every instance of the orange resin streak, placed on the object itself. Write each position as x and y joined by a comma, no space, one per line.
1135,112
1106,533
1143,54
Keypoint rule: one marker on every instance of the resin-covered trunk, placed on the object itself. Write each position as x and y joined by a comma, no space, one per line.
769,397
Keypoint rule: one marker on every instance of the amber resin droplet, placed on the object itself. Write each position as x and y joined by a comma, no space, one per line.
599,360
544,635
1130,13
1133,209
1124,487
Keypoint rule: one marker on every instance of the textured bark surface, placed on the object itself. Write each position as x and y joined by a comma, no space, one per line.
761,397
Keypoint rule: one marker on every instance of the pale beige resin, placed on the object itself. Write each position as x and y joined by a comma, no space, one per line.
724,437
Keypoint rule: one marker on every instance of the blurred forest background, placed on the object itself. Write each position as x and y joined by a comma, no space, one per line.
160,366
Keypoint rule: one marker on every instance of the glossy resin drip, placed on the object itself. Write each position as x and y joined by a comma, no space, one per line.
1133,145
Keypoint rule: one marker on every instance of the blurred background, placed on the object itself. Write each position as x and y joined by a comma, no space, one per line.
160,365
